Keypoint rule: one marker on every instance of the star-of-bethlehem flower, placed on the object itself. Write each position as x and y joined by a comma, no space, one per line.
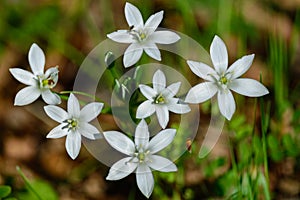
140,155
221,80
160,99
74,123
142,36
39,83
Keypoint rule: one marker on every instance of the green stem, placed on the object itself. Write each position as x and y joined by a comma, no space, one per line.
114,73
83,94
234,164
264,127
27,183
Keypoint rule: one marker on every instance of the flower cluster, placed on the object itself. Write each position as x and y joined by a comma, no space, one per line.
140,154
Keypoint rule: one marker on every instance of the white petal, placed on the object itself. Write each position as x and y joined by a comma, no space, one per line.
50,98
164,37
159,81
226,103
201,92
73,106
132,54
133,15
121,36
121,169
87,130
56,113
73,144
248,87
148,92
119,142
51,70
145,109
240,66
53,74
162,114
144,179
141,136
36,59
23,76
90,111
161,164
152,51
153,22
219,55
179,108
27,95
171,90
202,70
161,140
58,132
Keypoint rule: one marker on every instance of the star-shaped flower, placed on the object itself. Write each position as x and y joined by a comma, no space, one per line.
142,36
221,80
39,83
160,99
74,123
140,155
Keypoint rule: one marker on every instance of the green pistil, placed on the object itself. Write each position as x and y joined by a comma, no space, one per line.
143,36
141,156
223,80
72,124
159,99
47,83
138,35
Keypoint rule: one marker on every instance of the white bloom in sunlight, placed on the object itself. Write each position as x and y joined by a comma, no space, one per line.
140,155
221,80
142,36
39,83
74,123
160,99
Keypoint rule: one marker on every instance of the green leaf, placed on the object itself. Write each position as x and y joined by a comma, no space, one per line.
4,191
275,150
289,145
44,190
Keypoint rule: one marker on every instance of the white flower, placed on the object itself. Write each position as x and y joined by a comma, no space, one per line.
39,83
140,155
142,36
74,123
160,100
221,80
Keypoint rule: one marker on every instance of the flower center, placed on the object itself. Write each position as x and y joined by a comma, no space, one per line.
72,124
47,82
223,80
138,35
143,36
160,99
142,156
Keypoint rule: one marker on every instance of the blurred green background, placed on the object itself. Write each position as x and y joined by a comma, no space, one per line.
257,156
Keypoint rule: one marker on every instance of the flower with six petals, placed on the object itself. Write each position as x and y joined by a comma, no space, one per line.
221,80
140,155
39,83
143,37
74,123
160,99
